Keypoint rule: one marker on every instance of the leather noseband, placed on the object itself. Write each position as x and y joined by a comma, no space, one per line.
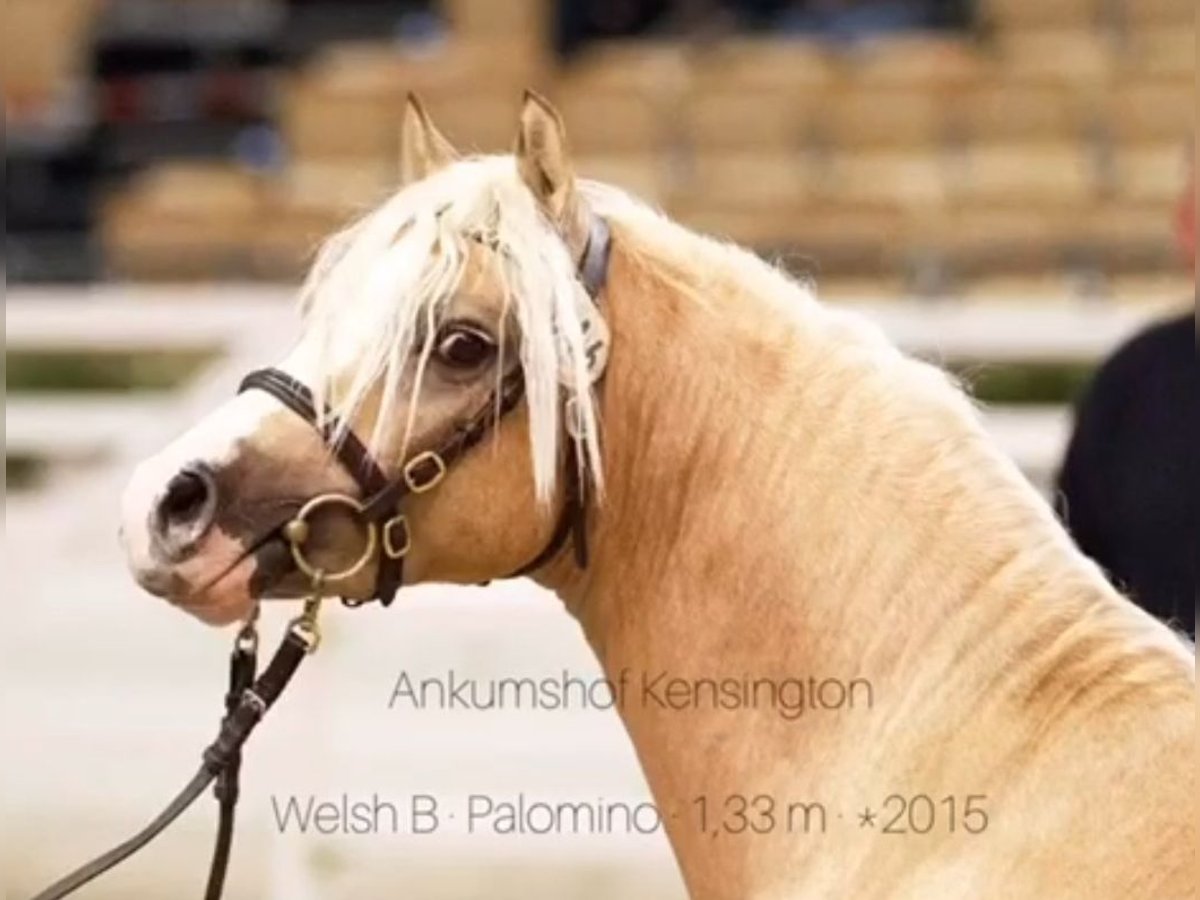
381,506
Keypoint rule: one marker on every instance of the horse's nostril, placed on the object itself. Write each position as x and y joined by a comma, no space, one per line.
186,509
185,498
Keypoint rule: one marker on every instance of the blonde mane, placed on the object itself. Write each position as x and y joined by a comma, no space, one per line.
378,286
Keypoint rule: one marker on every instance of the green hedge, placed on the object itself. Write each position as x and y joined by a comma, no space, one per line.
44,371
1024,383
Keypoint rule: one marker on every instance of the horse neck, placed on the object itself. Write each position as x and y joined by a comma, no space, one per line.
788,497
783,481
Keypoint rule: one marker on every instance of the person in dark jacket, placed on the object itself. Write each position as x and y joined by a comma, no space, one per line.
1128,489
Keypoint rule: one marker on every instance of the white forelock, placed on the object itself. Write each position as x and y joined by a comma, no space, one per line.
374,282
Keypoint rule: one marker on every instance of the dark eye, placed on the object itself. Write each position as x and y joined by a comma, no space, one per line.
464,346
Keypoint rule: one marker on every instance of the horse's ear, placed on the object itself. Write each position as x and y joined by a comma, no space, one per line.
423,149
543,159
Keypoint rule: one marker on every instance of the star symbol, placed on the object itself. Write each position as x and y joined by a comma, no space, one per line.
866,818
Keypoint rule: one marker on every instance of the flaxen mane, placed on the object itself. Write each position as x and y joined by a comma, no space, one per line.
377,287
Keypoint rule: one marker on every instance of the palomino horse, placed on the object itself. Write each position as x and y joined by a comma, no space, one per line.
770,488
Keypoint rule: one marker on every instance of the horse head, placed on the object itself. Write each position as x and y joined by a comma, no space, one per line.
458,300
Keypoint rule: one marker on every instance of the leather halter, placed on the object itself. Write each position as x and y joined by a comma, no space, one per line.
250,696
381,511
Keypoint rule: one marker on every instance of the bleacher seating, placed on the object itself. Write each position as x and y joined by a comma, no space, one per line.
914,62
1143,14
1040,14
41,53
1049,147
184,221
1000,112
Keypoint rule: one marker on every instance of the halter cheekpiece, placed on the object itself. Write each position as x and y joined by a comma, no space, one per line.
380,511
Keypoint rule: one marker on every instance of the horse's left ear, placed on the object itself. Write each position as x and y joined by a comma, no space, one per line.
423,149
544,162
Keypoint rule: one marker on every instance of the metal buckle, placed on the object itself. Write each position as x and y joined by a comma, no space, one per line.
411,467
297,531
247,636
391,546
307,626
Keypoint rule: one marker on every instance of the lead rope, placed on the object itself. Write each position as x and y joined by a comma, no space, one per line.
243,666
246,702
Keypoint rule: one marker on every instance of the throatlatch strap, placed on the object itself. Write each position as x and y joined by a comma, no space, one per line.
593,264
572,523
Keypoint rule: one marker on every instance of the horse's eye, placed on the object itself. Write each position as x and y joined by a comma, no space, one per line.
464,347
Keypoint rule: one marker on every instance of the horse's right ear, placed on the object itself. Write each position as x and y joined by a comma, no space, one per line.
423,149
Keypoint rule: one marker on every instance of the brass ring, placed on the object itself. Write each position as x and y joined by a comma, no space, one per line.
296,532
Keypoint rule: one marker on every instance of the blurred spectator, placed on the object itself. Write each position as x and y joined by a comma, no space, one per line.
579,21
848,20
1129,488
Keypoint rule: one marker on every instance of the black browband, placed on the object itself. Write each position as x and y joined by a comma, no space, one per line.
382,496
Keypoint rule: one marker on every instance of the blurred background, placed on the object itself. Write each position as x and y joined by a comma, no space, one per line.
995,181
